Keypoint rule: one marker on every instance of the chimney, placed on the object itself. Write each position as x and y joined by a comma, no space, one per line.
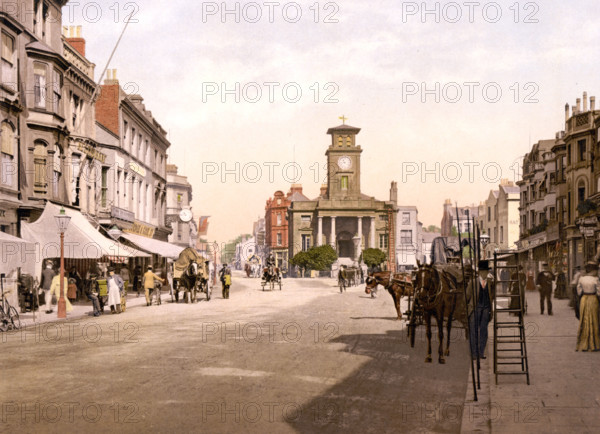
578,105
394,192
585,102
323,192
74,38
592,103
566,112
111,77
296,188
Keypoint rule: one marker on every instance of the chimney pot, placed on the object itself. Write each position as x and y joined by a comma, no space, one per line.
585,102
578,105
592,103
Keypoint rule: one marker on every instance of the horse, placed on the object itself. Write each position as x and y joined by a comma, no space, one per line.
436,293
189,282
397,285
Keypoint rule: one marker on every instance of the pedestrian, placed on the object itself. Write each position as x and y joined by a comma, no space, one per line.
47,276
148,282
92,295
561,285
137,279
122,289
343,278
74,274
114,292
480,314
544,284
55,290
225,276
588,289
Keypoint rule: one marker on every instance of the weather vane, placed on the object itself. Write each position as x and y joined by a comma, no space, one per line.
344,119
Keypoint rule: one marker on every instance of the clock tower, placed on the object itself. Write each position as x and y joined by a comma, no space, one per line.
343,163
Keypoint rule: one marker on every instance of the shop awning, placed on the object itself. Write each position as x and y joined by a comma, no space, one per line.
82,240
160,248
17,253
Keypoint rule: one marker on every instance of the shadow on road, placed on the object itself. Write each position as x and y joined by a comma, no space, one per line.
392,391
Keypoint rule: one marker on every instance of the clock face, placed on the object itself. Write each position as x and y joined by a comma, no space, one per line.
345,162
185,215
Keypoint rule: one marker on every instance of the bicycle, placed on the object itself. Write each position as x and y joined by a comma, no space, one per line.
9,317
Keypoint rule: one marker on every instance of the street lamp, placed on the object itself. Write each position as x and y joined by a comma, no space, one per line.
62,221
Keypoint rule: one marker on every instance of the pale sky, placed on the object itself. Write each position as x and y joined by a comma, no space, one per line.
376,61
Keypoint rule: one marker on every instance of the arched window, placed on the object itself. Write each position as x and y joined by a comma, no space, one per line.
40,155
580,192
8,169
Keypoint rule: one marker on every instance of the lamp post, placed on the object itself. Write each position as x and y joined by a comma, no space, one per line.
62,221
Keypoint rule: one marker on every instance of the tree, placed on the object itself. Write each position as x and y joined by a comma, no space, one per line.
432,229
301,260
322,257
373,257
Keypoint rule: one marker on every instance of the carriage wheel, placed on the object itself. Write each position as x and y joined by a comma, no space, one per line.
15,322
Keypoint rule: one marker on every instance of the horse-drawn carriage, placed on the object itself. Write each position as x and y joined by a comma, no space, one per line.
271,277
190,273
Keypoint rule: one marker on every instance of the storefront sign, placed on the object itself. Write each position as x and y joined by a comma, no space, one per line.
140,229
122,214
91,152
137,169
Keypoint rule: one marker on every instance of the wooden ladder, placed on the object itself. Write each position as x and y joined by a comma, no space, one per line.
510,349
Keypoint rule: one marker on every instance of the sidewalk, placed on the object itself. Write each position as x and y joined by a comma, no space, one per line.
82,309
564,394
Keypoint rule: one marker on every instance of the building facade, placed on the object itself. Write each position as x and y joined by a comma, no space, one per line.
276,223
136,148
462,222
408,238
342,215
179,196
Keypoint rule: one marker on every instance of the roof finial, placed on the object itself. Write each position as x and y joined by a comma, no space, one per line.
344,119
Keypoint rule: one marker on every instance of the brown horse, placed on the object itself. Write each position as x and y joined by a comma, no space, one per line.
397,285
436,293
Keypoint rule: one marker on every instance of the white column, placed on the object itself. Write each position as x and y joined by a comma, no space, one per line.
372,233
360,233
320,231
332,236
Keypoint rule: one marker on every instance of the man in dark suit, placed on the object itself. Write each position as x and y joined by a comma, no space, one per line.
481,312
544,283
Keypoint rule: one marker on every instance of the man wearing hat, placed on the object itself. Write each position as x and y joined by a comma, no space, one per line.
544,284
148,282
481,313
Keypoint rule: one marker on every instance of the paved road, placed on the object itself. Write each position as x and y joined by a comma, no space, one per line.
303,359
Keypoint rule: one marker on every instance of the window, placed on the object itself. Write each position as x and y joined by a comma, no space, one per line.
39,85
39,162
118,195
179,232
8,61
382,217
305,219
580,192
125,132
501,234
179,198
155,160
489,213
279,239
405,218
132,147
406,237
344,183
383,241
147,153
581,150
104,187
75,109
56,171
140,154
495,240
57,91
8,169
278,219
305,242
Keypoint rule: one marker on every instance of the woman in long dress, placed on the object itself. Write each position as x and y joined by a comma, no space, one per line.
114,295
588,288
